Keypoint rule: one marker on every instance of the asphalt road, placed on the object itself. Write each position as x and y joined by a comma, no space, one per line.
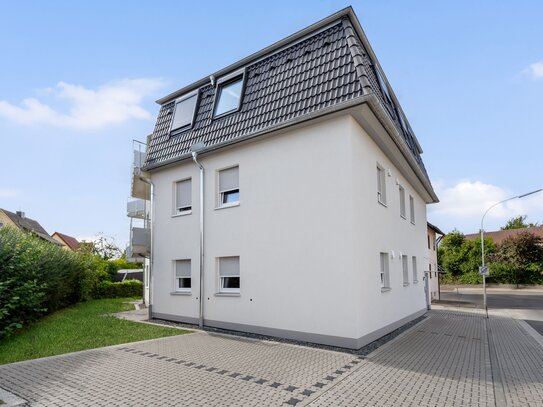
526,305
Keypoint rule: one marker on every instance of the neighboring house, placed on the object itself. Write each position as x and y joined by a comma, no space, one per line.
289,195
20,221
67,242
434,234
499,236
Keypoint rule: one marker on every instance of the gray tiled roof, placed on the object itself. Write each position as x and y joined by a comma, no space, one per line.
29,225
326,68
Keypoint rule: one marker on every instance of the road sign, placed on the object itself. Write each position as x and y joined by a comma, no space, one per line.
484,271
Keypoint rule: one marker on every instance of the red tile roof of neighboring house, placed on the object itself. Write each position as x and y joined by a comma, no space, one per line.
499,236
70,241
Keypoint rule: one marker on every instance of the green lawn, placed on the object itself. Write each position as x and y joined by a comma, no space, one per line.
84,326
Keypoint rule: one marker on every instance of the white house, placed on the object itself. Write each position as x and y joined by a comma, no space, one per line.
288,195
434,235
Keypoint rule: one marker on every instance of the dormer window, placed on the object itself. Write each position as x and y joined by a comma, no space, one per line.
183,114
228,96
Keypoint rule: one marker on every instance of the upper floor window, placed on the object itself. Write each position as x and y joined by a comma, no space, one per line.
381,185
229,186
228,96
183,115
412,209
402,201
183,196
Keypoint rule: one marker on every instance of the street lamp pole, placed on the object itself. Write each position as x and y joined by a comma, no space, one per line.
483,239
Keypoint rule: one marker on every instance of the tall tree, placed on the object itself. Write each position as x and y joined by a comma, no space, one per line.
518,222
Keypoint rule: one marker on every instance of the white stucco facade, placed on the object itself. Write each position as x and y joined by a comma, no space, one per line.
308,231
431,264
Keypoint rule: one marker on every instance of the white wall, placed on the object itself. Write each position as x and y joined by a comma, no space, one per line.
381,229
431,265
308,231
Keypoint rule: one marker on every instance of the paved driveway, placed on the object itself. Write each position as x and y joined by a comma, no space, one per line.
446,360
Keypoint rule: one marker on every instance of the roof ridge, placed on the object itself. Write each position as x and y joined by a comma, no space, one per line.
357,55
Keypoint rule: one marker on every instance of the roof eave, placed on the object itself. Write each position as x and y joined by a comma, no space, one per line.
348,11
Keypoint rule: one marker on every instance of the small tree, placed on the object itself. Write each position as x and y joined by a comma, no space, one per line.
518,223
105,247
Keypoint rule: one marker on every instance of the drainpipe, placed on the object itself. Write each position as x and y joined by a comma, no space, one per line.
195,150
151,255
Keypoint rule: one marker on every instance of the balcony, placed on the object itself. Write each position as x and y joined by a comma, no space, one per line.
140,242
136,209
130,258
139,188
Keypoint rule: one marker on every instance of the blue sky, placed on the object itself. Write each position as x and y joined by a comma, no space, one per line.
78,82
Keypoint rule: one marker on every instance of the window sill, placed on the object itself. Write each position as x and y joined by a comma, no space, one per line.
230,205
227,294
385,289
403,217
181,293
405,284
185,213
415,282
382,203
412,222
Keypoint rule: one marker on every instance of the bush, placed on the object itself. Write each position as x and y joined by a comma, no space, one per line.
38,277
122,289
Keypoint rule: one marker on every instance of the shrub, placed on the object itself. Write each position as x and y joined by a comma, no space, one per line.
127,288
38,277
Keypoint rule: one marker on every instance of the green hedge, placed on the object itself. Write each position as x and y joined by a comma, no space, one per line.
122,289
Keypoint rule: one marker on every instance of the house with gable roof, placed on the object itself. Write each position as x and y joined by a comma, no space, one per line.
19,220
67,242
286,195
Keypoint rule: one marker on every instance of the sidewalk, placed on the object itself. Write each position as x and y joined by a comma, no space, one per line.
454,357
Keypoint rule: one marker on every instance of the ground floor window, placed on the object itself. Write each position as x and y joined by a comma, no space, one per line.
405,269
183,279
229,278
415,272
384,271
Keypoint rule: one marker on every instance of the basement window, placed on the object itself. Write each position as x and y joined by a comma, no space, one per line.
228,187
229,280
184,112
228,96
183,279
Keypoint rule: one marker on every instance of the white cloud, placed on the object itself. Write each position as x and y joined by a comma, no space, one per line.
112,103
535,71
463,205
8,193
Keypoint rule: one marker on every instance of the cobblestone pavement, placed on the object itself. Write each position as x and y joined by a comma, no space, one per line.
445,360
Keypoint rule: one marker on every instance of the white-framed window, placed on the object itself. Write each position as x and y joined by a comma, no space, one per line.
229,278
228,187
428,241
402,201
430,270
412,209
384,270
184,112
414,269
183,279
381,185
228,97
183,196
405,269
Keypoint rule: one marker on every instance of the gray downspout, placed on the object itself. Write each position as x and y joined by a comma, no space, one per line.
201,304
151,255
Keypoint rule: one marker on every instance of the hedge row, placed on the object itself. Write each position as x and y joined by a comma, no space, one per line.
38,277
